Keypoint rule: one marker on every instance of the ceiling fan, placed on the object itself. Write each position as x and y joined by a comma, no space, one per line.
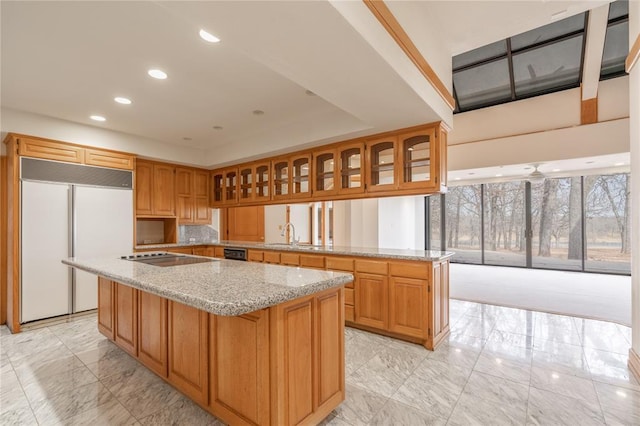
536,176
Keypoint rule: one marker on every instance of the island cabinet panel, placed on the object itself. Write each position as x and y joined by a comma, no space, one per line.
272,257
188,360
239,372
371,295
312,261
126,318
439,302
105,312
307,362
255,255
407,309
152,332
290,259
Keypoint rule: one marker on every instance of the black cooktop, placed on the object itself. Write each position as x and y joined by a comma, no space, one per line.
166,259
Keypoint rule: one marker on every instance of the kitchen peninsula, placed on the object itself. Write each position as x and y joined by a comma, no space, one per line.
399,293
251,343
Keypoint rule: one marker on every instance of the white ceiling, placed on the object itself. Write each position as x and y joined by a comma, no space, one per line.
68,60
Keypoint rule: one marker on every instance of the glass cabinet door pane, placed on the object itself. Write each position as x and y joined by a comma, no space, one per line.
217,187
230,185
281,178
246,178
301,176
351,163
262,181
324,172
382,157
417,161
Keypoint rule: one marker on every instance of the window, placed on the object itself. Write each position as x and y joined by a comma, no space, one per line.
543,60
616,41
463,228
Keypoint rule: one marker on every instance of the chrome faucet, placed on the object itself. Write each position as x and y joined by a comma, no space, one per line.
294,241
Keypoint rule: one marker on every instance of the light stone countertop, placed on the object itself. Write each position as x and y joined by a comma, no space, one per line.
221,287
383,253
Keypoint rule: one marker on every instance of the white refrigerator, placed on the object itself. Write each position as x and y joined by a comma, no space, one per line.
60,220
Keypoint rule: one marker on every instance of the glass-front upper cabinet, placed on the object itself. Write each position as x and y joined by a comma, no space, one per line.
324,167
301,172
418,159
217,188
351,168
246,187
254,183
280,170
382,159
230,186
262,181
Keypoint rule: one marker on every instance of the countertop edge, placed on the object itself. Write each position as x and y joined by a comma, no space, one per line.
338,251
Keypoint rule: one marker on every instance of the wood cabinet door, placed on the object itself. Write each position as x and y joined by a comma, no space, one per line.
164,190
105,307
230,183
217,188
418,159
152,332
50,150
113,160
245,223
262,181
185,198
440,297
300,176
408,306
325,166
239,373
382,164
188,357
330,346
246,184
144,188
126,318
372,300
350,179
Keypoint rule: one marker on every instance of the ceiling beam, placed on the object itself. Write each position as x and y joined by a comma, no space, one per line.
596,31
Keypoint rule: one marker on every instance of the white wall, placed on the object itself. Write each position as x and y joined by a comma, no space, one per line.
274,217
355,223
299,217
46,127
401,222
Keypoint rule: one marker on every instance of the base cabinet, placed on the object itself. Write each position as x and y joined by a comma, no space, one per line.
282,365
105,302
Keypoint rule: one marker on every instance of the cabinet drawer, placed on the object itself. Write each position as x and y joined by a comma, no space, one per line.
349,313
255,256
271,257
181,250
50,150
310,261
340,264
411,270
218,251
372,267
348,296
290,259
114,160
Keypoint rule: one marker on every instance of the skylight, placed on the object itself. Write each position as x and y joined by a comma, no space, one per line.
616,42
540,61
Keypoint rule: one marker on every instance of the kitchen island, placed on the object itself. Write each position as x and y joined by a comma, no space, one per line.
251,343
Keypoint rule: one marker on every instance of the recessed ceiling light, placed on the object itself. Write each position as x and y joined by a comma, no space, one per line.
159,74
589,162
621,394
98,118
457,178
206,36
619,164
123,101
555,170
528,168
471,173
555,376
217,127
258,112
498,175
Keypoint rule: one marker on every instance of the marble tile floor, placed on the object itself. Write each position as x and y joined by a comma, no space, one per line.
499,366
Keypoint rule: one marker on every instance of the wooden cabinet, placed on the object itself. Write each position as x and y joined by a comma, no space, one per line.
407,307
255,255
281,182
371,293
289,259
224,185
255,182
192,196
126,318
239,373
300,166
312,261
155,189
105,302
351,168
188,361
382,161
245,223
152,332
29,146
324,172
417,165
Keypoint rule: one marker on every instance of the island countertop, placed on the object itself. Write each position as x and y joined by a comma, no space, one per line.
221,287
373,252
